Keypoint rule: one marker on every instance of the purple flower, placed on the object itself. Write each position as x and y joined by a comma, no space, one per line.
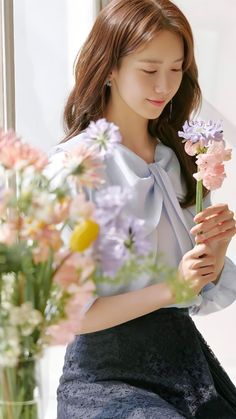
120,242
109,203
122,236
201,131
136,240
102,135
111,252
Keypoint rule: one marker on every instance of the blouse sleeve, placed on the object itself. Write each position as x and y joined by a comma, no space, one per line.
217,296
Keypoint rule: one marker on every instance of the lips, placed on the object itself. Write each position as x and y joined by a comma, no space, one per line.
156,102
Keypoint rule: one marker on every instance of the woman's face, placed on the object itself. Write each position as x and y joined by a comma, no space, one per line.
147,79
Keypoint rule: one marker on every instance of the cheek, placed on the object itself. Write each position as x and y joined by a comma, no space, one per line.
175,83
132,86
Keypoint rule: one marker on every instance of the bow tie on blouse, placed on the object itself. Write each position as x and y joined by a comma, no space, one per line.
153,185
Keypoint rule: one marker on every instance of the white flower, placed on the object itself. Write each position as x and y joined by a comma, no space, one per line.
26,317
9,346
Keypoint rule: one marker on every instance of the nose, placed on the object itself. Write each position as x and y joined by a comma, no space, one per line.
162,83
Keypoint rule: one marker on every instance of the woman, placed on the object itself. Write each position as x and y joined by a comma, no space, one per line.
138,354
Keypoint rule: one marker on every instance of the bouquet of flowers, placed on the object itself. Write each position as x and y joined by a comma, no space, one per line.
56,245
205,140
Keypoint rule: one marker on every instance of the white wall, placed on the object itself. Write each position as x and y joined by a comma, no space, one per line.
48,34
213,24
214,29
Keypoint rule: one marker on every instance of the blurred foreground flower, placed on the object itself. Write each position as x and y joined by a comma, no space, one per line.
56,247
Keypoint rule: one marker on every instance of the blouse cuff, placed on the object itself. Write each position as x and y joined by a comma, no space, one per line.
89,303
223,293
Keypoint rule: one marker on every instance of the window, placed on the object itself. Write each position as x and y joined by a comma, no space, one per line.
7,90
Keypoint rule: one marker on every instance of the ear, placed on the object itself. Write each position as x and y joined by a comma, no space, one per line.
112,74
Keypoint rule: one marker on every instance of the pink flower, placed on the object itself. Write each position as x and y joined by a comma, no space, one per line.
212,182
79,299
43,208
193,148
6,196
217,148
46,234
61,211
81,208
47,238
41,253
8,233
75,270
14,154
65,331
210,165
85,166
209,161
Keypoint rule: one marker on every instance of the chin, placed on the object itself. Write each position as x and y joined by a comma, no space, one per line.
153,115
150,115
152,118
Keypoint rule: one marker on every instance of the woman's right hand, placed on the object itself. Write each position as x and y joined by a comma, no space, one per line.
197,267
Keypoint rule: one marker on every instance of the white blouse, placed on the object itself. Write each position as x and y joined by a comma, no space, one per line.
157,189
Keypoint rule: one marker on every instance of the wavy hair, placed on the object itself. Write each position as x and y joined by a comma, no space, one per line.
121,28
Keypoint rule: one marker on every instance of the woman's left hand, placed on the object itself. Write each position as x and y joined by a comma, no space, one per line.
214,224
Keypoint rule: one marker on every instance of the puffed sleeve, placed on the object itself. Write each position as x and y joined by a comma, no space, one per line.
218,296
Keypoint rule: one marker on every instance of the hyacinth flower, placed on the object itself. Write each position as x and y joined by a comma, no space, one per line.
122,238
205,140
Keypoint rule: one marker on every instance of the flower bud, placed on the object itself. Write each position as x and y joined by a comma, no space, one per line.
84,235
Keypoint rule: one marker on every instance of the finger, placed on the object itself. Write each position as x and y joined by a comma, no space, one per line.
227,227
200,250
205,278
202,262
208,270
225,236
213,209
212,221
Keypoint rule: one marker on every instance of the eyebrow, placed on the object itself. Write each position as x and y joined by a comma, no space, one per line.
146,60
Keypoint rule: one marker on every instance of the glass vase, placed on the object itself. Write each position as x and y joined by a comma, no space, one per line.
20,390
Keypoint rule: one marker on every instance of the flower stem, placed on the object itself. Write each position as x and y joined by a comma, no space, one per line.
199,197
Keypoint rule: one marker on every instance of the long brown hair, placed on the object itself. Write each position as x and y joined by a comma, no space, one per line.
120,29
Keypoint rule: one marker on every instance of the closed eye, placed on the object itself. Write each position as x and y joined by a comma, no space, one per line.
149,72
176,69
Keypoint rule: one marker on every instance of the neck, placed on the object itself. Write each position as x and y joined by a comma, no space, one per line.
133,128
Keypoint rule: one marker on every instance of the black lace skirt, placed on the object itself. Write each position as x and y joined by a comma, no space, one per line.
155,366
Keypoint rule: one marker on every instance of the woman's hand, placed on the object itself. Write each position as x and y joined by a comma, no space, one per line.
198,267
216,227
215,223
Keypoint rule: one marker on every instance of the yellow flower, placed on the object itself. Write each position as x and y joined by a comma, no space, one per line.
84,235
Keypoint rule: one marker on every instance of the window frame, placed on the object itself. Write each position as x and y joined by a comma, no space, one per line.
7,66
